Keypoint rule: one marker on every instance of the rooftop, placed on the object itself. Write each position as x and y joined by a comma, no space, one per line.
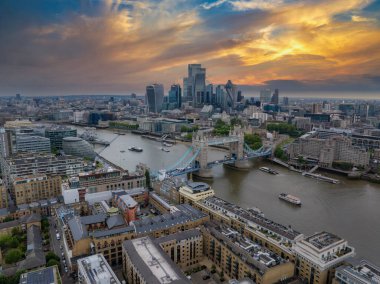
249,217
46,275
364,272
256,255
95,269
197,187
152,262
323,239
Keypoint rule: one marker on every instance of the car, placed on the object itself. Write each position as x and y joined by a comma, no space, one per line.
205,277
58,236
66,270
62,254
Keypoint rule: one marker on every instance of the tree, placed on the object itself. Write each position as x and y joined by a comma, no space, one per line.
12,256
52,262
253,141
147,179
189,136
51,256
280,153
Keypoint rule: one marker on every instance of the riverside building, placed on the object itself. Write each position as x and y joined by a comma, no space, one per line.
317,256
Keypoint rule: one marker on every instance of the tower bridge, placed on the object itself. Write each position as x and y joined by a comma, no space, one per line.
195,159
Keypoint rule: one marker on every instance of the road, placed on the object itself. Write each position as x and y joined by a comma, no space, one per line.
55,246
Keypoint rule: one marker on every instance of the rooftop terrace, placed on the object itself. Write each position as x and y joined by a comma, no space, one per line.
250,216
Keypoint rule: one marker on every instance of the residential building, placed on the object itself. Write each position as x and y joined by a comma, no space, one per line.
194,191
110,179
3,195
240,257
155,97
362,273
184,248
327,151
46,275
144,262
32,164
318,255
128,207
274,236
94,269
108,241
56,134
33,188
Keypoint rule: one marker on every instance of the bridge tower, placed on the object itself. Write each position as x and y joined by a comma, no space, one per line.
237,149
200,143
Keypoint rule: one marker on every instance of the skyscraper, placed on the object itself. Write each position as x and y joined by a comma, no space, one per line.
195,84
175,96
265,96
275,97
285,101
155,97
231,98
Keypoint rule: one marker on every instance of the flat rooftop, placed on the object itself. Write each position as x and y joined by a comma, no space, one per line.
364,272
48,275
322,240
255,254
198,186
152,262
97,270
250,216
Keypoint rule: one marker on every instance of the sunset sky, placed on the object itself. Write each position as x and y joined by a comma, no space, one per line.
90,46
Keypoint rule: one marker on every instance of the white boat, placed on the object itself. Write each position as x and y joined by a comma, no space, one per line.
166,144
290,198
165,149
268,170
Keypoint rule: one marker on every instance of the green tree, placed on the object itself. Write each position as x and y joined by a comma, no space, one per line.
51,256
12,256
253,141
189,136
301,160
52,262
236,121
221,128
280,153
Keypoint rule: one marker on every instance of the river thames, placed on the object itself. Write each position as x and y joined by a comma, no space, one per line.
350,209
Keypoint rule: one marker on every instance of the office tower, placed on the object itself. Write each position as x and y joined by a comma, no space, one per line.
285,101
209,94
220,94
275,97
26,143
231,98
175,96
317,108
239,96
265,96
57,133
195,84
155,97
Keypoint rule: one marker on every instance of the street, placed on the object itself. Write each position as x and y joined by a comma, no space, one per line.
55,246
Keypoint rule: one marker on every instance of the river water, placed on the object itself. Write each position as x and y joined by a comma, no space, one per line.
350,209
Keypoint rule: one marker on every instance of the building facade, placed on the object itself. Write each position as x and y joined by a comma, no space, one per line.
33,188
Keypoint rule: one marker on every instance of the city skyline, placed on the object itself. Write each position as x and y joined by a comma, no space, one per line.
113,47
